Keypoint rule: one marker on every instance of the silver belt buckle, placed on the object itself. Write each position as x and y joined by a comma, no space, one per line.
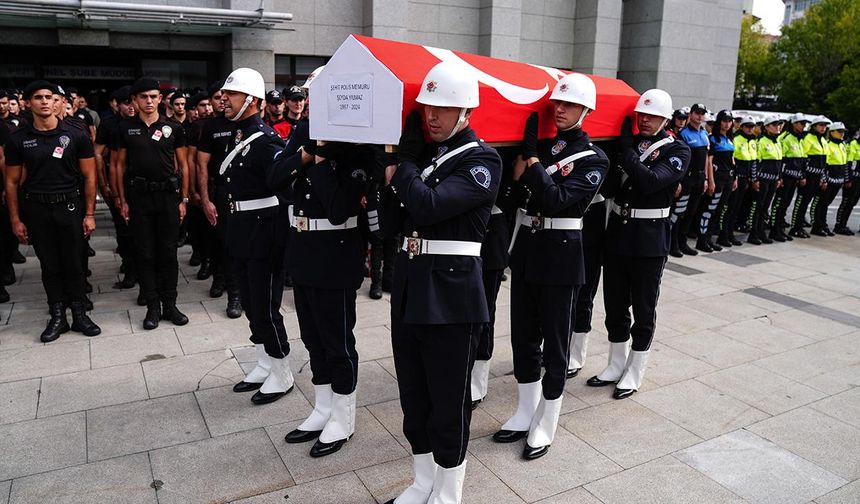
625,212
300,223
537,223
232,206
413,247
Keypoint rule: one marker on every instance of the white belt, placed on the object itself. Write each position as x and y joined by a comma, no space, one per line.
639,213
420,246
563,223
254,204
496,210
307,224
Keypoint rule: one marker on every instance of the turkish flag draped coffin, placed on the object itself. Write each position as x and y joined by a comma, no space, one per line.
369,87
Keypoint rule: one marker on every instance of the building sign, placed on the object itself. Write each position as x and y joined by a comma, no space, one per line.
88,72
350,100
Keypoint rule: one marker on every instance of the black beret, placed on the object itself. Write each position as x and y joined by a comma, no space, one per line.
144,84
37,85
215,87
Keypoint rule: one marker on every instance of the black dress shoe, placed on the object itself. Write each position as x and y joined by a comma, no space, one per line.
594,381
4,295
829,232
475,403
818,232
686,249
843,230
234,306
300,436
724,242
509,436
320,449
205,270
766,240
777,237
153,315
622,393
244,386
675,253
704,246
375,291
263,398
787,237
754,240
572,372
531,453
170,312
18,257
736,242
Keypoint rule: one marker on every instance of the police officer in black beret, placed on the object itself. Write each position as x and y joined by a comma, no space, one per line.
55,156
547,265
438,306
255,236
638,240
152,164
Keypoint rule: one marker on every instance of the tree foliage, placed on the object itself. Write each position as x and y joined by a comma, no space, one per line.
756,73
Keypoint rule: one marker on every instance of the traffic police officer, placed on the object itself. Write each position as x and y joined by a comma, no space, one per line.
793,172
836,173
720,178
815,148
438,305
766,177
745,156
696,182
850,190
152,164
55,156
325,259
255,236
547,265
637,241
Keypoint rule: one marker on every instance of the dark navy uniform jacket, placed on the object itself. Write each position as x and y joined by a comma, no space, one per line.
494,249
554,256
332,191
453,203
648,184
254,174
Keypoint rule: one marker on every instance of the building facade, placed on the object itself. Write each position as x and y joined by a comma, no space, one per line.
688,47
796,9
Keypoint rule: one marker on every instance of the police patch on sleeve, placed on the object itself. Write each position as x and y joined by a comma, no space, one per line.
358,175
481,176
676,163
593,177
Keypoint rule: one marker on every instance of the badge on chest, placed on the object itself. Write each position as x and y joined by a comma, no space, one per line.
558,147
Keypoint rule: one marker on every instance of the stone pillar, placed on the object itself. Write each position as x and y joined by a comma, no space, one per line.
386,19
597,37
639,52
253,49
500,24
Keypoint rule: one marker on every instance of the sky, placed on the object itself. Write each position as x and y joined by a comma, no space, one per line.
771,13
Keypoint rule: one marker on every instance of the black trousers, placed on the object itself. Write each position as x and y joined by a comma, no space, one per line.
154,222
217,240
821,202
805,195
434,367
8,240
197,229
781,200
733,208
57,234
326,320
124,239
632,281
850,198
593,234
761,209
261,287
708,208
492,282
383,249
691,189
541,314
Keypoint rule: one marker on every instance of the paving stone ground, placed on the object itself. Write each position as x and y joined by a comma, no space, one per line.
752,395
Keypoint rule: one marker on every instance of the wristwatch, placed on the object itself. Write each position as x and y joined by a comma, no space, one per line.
185,200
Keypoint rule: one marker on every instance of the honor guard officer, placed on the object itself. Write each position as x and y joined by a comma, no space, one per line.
766,177
793,173
850,190
836,173
547,265
256,234
637,240
152,166
815,147
438,305
696,182
325,259
746,157
55,156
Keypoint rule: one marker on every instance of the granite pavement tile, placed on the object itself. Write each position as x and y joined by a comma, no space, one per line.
627,432
734,307
145,425
667,365
761,388
226,411
759,470
44,360
849,494
123,480
130,348
5,488
576,496
760,333
220,469
665,480
217,336
373,342
91,389
343,488
818,358
715,349
189,373
844,406
817,437
370,445
42,445
18,400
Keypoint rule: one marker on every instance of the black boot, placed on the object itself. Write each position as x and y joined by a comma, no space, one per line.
170,312
18,257
375,291
153,315
217,289
57,325
777,234
88,287
753,238
685,248
205,270
88,303
723,241
141,301
8,277
674,251
81,322
818,231
703,245
714,246
194,260
128,281
234,306
4,295
843,230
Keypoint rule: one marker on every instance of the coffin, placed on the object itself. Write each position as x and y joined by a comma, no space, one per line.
369,86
